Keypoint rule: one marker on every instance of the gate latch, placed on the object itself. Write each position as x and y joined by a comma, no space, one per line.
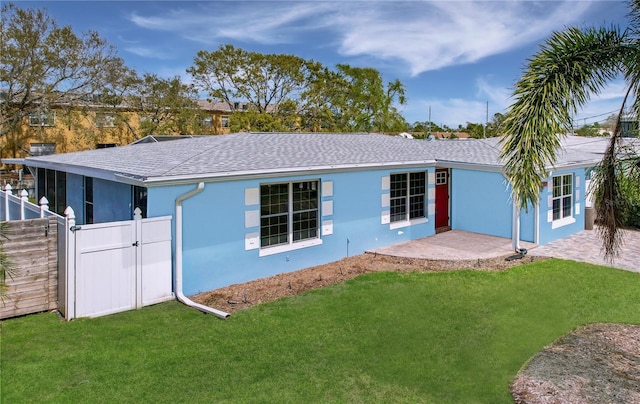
74,228
136,244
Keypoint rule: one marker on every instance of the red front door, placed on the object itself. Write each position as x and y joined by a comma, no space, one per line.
442,198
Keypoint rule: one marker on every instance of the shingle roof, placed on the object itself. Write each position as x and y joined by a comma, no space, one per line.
281,152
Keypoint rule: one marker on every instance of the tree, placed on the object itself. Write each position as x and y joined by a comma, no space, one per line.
425,127
559,79
352,99
166,106
475,130
264,81
44,65
494,127
298,93
589,130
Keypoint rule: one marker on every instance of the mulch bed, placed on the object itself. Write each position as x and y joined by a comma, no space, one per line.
241,296
597,363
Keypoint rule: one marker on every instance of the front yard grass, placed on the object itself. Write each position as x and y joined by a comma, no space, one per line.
383,337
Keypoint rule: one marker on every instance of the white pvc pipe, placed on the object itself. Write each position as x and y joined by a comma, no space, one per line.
181,297
515,238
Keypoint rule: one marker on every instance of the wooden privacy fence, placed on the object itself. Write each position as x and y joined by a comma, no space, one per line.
32,250
30,241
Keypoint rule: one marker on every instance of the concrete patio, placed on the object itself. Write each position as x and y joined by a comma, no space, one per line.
584,246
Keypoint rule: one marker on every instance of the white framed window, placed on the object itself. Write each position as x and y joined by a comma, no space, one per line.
407,196
105,120
562,199
441,177
207,121
149,118
42,118
288,213
225,121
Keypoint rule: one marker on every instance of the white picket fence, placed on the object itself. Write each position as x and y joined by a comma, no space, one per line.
104,268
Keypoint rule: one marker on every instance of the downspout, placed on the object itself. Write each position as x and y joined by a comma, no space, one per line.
536,237
181,297
515,238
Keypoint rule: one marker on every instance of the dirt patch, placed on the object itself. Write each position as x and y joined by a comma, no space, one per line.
597,363
241,296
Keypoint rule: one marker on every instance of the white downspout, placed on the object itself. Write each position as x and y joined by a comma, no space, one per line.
181,297
515,238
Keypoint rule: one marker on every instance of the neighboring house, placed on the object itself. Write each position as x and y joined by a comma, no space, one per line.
253,205
630,127
87,123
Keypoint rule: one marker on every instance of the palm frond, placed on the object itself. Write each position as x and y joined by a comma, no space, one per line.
569,67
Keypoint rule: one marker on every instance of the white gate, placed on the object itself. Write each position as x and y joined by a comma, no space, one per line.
118,266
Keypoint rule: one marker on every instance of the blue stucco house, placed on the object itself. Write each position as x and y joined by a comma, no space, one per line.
251,205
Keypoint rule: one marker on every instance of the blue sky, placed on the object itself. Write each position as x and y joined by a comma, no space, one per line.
454,57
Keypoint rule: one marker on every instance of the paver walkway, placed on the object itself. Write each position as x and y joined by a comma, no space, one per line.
585,246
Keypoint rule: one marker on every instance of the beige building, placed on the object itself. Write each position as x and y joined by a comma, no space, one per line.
89,124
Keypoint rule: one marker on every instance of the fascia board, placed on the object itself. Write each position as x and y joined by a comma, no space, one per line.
77,170
275,173
469,166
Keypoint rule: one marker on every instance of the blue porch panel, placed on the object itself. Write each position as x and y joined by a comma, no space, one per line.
112,201
221,225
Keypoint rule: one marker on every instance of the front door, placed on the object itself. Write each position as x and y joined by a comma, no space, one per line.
442,199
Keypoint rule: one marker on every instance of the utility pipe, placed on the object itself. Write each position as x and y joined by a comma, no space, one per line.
181,297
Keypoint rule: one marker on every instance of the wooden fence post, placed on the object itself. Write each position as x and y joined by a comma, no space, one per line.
44,206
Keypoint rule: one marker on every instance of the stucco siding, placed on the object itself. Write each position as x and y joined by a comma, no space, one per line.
528,224
480,202
216,228
550,229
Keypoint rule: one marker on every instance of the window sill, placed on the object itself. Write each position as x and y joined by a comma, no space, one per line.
563,222
407,223
266,251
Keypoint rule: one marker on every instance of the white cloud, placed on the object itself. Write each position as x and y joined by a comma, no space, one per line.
433,35
498,96
265,23
147,52
423,35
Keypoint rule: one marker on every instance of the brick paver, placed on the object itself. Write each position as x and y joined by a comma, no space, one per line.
585,246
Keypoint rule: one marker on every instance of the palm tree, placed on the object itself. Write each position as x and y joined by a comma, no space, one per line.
571,66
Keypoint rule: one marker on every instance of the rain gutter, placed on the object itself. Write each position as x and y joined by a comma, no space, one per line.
179,294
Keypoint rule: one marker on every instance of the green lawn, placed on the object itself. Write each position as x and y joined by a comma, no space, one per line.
384,337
